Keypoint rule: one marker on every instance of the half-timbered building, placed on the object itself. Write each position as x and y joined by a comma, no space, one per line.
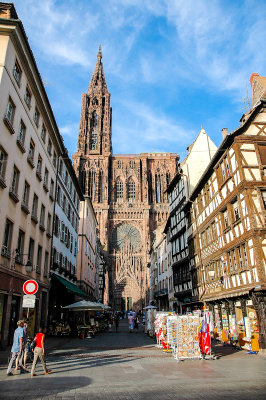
226,236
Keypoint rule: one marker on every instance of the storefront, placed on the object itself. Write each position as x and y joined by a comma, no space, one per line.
236,322
11,302
62,293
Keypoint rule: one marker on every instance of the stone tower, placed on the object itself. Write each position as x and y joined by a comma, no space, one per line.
127,192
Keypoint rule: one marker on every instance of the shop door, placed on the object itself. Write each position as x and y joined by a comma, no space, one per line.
2,300
14,316
123,304
129,303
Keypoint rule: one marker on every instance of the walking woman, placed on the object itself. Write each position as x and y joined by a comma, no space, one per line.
39,352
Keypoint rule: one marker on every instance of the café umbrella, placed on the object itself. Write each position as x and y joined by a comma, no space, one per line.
84,305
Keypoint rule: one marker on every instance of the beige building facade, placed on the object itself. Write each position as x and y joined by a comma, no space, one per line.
29,147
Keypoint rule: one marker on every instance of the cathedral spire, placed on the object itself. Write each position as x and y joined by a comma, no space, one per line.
98,78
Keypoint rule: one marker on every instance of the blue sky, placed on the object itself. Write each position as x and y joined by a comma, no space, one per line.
170,65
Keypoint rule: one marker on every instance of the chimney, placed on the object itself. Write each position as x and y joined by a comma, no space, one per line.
224,132
252,77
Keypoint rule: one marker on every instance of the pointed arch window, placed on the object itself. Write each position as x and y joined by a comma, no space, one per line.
150,187
158,188
168,179
119,189
100,187
91,185
131,190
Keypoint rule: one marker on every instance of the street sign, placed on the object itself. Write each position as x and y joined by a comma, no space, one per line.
30,287
28,301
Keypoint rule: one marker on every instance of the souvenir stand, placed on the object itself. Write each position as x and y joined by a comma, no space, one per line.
172,331
187,342
160,324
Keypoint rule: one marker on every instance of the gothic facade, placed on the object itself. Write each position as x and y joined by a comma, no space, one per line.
127,192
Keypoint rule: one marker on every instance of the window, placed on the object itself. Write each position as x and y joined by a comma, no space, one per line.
54,159
46,178
27,97
42,215
49,147
17,72
31,150
132,164
46,263
240,257
119,190
168,179
158,188
236,211
34,206
51,192
3,161
39,167
62,237
56,226
66,178
39,260
226,221
100,187
131,190
10,111
43,134
263,196
214,231
7,238
20,246
14,181
58,195
31,250
119,164
93,142
22,132
64,203
36,117
26,194
49,219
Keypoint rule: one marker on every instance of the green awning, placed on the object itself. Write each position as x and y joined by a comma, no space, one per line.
70,286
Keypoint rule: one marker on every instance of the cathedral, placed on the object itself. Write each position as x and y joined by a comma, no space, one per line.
127,192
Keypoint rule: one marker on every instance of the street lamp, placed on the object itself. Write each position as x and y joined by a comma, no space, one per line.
28,265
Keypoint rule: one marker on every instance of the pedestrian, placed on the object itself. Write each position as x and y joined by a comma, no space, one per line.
130,322
117,319
39,352
17,349
24,354
136,323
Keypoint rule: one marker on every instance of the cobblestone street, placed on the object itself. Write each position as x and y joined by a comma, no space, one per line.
128,366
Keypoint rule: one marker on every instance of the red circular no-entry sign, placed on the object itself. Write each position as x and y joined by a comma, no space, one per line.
30,287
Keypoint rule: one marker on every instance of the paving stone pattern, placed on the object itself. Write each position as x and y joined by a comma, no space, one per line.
128,366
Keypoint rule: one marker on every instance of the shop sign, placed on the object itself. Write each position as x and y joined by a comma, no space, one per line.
29,301
247,327
30,287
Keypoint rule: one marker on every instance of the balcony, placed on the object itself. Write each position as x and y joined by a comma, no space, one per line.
160,293
30,161
9,125
25,208
21,145
5,252
34,218
39,175
2,182
45,186
13,194
41,226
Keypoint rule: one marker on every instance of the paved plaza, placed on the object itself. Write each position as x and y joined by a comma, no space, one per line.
129,366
